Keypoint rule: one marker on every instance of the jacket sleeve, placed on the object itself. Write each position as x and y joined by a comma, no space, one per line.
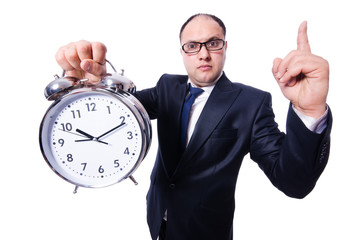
148,98
293,161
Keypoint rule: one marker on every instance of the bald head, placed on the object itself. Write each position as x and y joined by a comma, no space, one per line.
205,15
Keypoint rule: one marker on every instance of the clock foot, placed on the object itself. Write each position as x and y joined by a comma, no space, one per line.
133,180
75,189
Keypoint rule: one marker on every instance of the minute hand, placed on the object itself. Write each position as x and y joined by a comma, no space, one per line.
120,125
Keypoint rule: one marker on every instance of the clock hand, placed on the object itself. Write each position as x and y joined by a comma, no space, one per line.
70,132
85,134
91,138
120,125
86,140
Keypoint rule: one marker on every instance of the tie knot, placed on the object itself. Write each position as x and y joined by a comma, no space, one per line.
195,91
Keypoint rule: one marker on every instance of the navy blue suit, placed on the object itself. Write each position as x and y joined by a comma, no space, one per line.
197,186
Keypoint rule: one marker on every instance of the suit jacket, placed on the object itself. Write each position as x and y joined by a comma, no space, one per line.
197,186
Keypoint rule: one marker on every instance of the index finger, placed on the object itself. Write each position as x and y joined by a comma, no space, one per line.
99,52
302,40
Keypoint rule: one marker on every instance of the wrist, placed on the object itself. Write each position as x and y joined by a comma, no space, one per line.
315,112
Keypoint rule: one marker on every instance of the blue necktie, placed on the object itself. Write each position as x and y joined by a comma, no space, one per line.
190,99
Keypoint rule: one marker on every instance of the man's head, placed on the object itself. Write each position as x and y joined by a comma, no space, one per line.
204,63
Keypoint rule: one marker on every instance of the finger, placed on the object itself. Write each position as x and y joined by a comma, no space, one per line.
292,82
93,67
275,69
282,69
96,66
92,56
84,50
292,63
62,59
99,51
71,56
293,73
302,40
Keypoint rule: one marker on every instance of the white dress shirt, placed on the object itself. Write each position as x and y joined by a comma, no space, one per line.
196,109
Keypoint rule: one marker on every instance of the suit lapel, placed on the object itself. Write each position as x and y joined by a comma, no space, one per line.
219,102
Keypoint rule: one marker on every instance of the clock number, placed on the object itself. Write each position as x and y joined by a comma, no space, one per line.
100,169
84,165
130,136
116,163
126,151
66,127
61,142
69,158
109,109
91,107
122,118
76,113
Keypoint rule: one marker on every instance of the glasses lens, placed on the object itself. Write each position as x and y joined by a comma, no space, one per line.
191,47
215,45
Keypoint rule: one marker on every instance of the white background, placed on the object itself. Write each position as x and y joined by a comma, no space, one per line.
142,38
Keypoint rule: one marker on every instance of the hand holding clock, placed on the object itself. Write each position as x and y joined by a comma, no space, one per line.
83,59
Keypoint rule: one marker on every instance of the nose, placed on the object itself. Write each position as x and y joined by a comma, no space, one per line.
204,53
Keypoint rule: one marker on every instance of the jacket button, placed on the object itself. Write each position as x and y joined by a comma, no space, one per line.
172,186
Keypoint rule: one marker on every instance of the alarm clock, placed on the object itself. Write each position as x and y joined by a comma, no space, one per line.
94,135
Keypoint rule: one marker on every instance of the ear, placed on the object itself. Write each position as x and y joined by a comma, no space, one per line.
226,45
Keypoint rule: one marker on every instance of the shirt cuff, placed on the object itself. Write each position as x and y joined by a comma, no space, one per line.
314,125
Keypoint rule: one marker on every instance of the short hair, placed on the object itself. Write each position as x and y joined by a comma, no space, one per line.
216,19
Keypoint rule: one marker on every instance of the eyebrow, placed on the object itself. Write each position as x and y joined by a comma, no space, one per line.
210,39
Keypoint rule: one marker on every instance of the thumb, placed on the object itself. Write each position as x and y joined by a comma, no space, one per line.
93,67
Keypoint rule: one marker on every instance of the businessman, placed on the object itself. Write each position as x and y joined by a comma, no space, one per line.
207,124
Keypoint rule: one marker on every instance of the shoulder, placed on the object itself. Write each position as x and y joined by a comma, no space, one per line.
249,89
245,90
249,99
172,78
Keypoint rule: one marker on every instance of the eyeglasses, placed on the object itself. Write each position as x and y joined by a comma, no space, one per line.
211,45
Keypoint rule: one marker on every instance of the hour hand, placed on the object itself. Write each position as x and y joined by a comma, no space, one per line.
91,138
85,134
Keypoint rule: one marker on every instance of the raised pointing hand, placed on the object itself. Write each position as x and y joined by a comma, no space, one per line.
303,77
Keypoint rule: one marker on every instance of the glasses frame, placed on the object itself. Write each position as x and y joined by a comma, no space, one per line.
204,44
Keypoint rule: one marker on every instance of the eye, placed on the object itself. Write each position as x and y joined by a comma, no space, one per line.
213,43
191,46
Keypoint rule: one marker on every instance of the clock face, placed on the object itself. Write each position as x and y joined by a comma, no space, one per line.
92,139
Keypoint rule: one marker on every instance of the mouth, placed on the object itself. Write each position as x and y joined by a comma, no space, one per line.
204,67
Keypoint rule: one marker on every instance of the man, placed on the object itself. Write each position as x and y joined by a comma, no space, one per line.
193,181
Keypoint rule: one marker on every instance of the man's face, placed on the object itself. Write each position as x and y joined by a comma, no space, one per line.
204,67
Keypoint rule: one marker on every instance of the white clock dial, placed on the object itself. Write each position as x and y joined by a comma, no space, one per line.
92,139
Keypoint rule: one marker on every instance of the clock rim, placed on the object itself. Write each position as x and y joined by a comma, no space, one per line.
128,100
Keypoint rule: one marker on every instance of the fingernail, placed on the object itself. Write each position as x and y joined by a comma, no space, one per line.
87,66
278,75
